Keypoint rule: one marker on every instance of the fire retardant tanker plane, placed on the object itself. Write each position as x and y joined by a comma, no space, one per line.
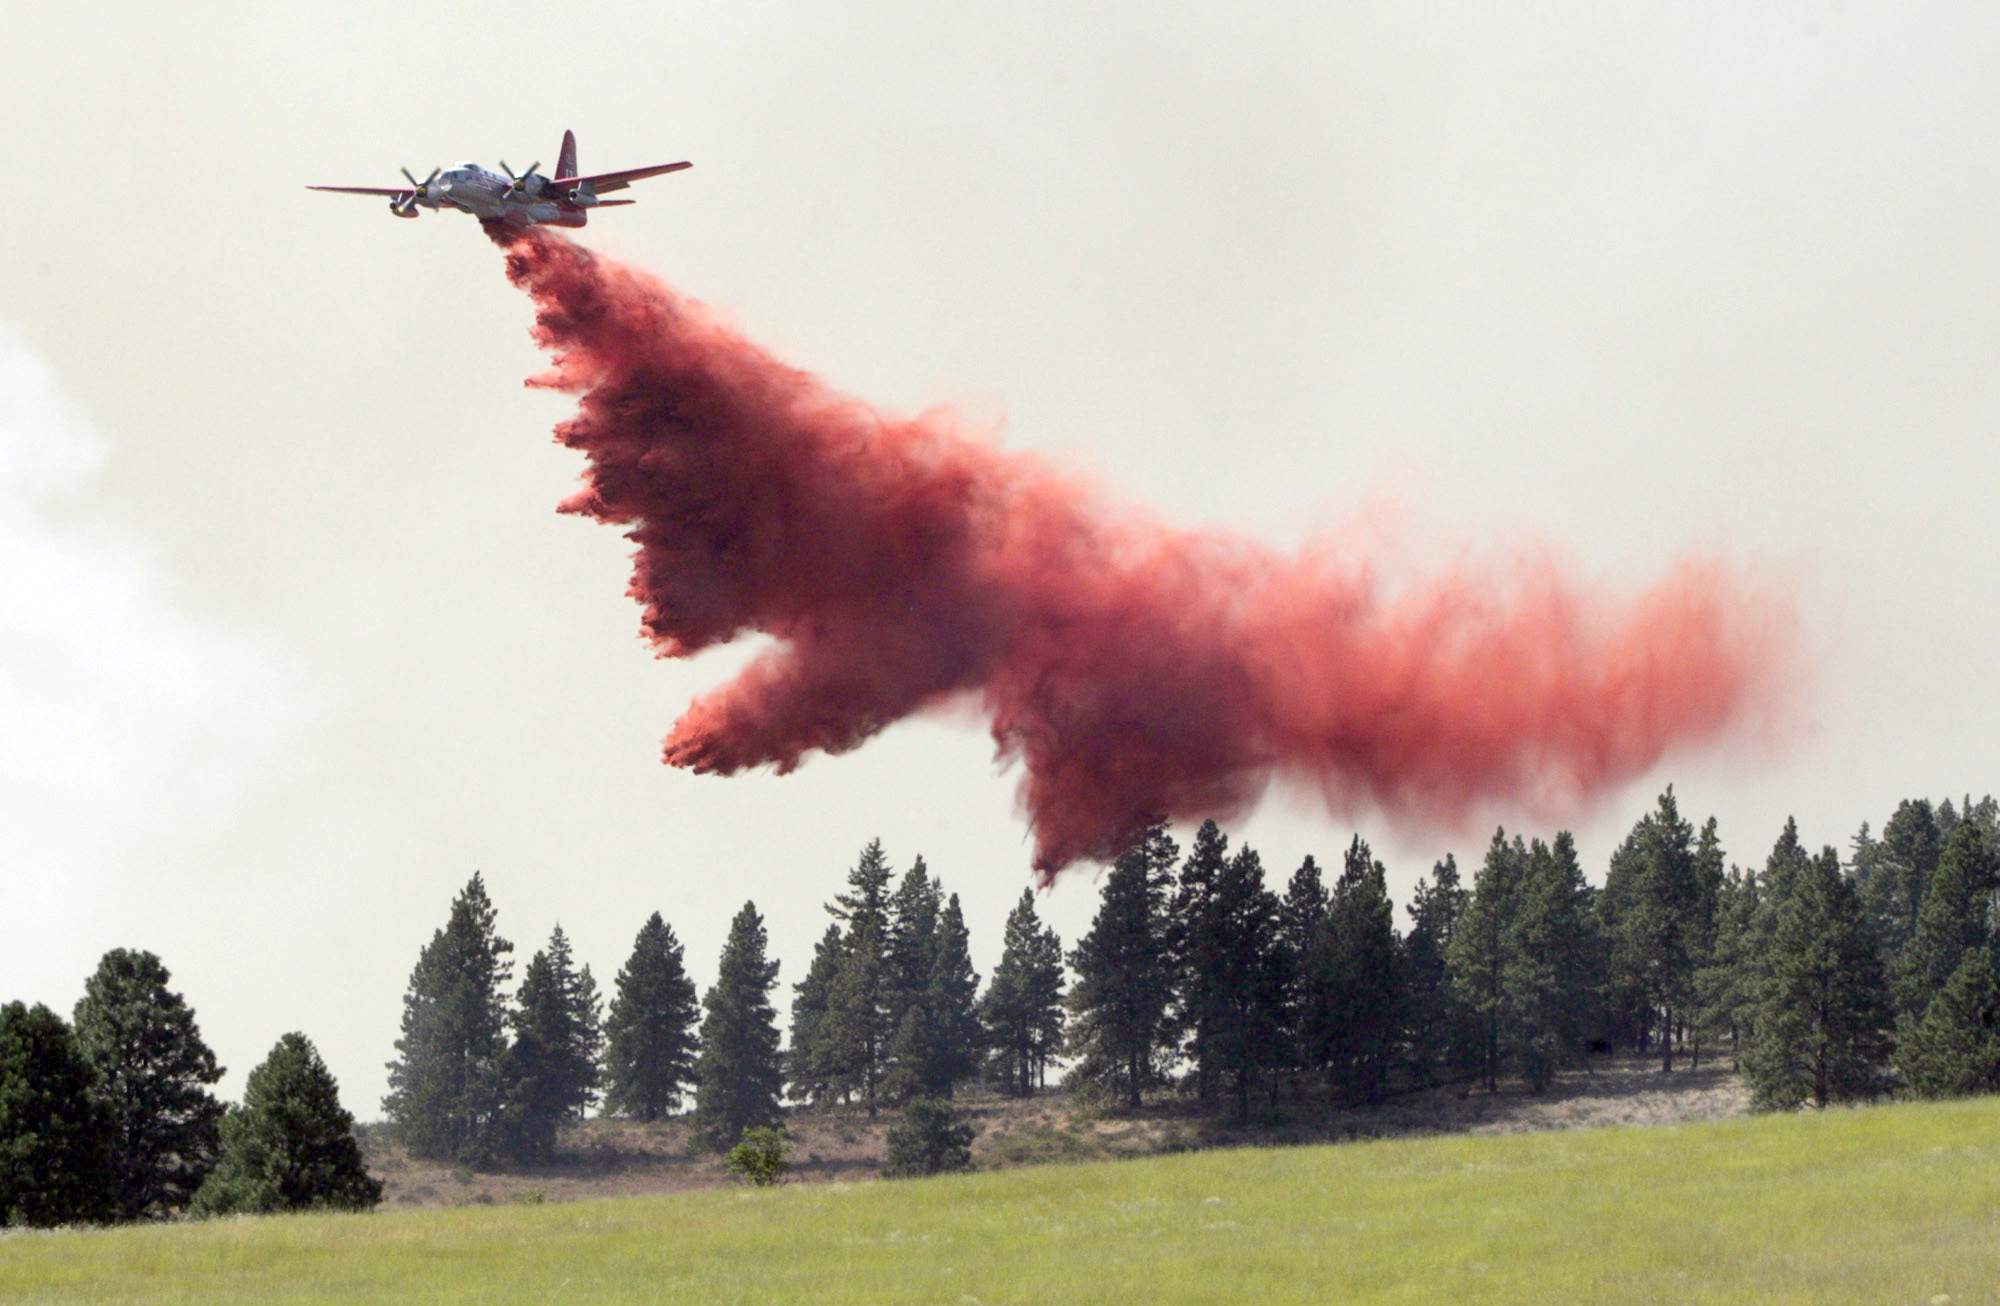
564,200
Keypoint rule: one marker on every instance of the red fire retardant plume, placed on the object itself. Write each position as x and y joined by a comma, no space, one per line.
1135,671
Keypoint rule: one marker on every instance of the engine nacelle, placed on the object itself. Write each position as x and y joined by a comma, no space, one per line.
402,212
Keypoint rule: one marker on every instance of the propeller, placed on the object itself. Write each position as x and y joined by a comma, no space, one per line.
520,183
419,190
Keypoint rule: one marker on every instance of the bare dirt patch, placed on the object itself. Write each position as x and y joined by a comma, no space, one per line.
607,1158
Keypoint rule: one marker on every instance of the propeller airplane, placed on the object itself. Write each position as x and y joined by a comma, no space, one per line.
523,200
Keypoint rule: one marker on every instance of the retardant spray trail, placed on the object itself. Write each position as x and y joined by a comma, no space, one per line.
1134,671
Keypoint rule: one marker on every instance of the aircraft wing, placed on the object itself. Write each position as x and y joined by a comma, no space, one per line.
604,181
367,190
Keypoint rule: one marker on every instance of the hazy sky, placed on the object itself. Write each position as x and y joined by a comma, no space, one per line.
292,642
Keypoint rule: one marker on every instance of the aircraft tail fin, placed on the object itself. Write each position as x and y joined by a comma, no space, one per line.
566,161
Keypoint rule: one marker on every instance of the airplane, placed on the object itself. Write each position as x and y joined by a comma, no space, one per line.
564,200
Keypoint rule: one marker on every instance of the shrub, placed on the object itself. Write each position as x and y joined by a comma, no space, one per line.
760,1158
929,1139
291,1145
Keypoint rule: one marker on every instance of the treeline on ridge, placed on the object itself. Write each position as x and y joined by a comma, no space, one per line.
1823,979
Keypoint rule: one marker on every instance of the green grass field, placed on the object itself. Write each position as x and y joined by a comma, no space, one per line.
1886,1205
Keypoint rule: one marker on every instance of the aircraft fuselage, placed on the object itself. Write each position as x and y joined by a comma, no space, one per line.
490,197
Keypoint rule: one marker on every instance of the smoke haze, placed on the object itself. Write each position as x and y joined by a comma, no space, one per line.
1134,670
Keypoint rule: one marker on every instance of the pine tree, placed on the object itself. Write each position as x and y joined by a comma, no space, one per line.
445,1086
1252,1040
1820,1032
738,1074
57,1137
1196,945
1951,920
1124,980
1653,898
1434,1020
910,943
1784,870
1947,821
1477,954
550,1074
1547,977
1984,816
649,1034
1954,1050
855,1031
1355,1020
1045,987
1022,1008
1726,987
152,1072
809,1061
1902,869
1786,866
291,1145
1867,867
1299,917
929,1139
937,1045
1709,877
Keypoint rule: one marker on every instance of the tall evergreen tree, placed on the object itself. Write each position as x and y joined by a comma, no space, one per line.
1785,867
1477,953
1902,869
649,1034
1299,917
1820,1033
1196,941
854,1034
1951,921
1984,816
910,943
1435,1022
153,1072
1548,977
738,1073
1355,1021
1866,867
445,1086
1947,821
937,1044
1784,870
1252,1041
550,1074
1653,897
1022,1007
1124,978
1726,987
57,1137
809,1061
1954,1050
1710,876
291,1145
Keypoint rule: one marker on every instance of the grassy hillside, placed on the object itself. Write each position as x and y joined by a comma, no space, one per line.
1887,1204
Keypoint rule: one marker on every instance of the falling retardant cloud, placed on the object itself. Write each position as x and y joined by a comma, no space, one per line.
125,720
1134,670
